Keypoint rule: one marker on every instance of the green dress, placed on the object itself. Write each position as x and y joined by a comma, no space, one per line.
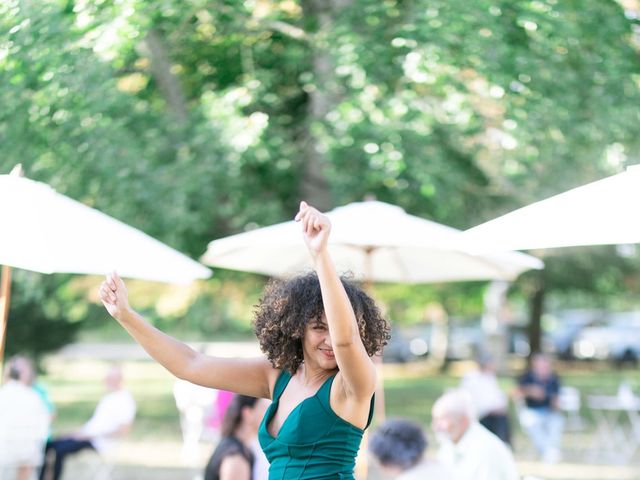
313,442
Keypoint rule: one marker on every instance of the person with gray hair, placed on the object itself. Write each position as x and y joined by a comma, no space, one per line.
490,401
399,446
470,450
112,417
24,422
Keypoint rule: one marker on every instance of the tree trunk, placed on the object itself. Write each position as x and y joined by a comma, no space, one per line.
323,96
167,81
493,322
535,320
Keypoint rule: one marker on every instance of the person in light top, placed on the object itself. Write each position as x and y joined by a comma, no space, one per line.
467,448
24,422
112,417
490,401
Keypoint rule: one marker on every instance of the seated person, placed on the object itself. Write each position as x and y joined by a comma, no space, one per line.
490,402
467,448
541,419
234,457
24,422
193,402
399,446
112,417
27,371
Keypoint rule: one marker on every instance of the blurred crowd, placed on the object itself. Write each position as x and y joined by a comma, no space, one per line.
470,425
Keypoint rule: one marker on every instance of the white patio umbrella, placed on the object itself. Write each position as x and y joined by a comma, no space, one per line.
375,241
47,232
604,212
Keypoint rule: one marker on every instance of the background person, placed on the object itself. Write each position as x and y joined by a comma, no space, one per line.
399,447
490,401
28,376
541,419
467,448
24,422
112,417
193,403
234,457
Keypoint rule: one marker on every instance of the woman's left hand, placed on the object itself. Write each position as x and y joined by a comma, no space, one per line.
316,228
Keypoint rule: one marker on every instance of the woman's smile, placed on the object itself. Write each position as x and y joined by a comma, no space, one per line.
327,352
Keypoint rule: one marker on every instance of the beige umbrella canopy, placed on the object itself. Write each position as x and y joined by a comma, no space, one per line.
47,232
604,212
377,242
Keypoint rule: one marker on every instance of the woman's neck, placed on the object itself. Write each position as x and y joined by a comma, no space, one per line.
311,375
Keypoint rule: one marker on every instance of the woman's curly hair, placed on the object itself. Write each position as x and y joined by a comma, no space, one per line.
287,307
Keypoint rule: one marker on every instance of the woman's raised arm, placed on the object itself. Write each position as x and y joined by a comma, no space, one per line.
356,367
251,376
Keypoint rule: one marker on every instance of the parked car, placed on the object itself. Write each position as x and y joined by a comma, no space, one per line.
413,342
397,350
518,341
465,340
616,338
567,325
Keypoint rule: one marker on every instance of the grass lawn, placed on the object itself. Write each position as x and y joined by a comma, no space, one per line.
410,390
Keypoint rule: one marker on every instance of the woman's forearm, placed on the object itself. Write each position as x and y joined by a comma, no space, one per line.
337,307
172,354
355,365
247,376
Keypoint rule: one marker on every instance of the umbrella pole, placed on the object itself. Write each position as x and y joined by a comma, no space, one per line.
379,411
5,287
5,297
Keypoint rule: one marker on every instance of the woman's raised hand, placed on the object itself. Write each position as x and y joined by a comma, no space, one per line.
316,228
113,294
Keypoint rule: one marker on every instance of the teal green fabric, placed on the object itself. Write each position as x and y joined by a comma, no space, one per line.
313,442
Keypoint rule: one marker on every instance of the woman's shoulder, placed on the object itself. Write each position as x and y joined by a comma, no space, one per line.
278,379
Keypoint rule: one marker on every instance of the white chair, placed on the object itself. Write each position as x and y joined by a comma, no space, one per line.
90,464
87,465
569,401
193,403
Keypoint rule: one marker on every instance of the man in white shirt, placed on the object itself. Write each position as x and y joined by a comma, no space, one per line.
490,402
24,423
469,450
112,417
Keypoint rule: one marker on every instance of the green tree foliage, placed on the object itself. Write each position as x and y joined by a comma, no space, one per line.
44,314
196,119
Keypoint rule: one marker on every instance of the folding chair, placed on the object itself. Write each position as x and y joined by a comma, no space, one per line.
570,402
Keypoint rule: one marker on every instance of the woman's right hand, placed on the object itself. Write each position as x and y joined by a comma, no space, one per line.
316,228
114,296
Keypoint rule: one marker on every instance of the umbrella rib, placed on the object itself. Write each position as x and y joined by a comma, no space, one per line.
485,261
403,267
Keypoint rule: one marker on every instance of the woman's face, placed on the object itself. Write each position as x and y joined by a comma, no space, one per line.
316,345
448,425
